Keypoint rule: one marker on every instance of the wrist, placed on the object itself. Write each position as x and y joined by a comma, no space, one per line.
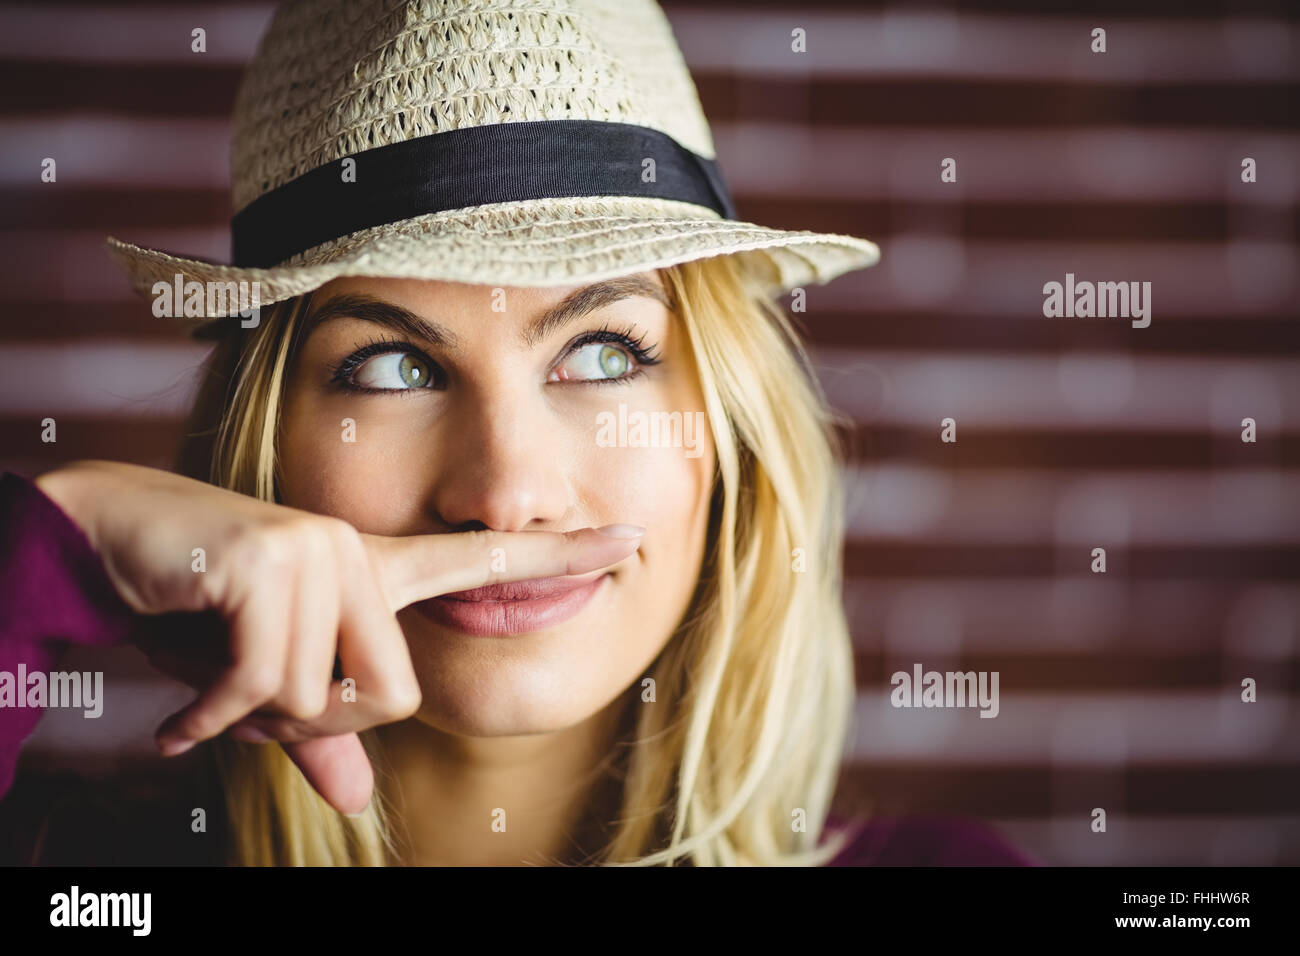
68,486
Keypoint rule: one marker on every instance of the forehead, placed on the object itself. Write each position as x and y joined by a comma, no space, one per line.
404,291
441,312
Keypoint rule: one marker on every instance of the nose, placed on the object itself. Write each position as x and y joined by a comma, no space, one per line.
504,466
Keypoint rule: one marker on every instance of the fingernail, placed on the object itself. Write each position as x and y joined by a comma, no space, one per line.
622,531
249,734
360,813
172,746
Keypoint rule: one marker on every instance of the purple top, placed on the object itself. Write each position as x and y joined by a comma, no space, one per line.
54,591
928,841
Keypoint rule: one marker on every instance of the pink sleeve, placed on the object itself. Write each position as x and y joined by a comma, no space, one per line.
54,591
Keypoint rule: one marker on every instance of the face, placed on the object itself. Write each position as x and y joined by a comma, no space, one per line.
516,409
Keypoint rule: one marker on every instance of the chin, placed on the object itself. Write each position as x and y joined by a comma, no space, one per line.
472,723
533,683
502,708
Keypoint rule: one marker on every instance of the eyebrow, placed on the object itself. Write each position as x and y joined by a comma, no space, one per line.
572,307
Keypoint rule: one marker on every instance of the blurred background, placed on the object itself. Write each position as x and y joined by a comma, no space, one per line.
1119,690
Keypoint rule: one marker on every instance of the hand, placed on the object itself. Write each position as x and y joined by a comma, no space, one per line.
292,590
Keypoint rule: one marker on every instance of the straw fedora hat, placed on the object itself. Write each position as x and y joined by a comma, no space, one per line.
518,143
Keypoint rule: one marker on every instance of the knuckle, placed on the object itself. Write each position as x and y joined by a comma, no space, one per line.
297,533
304,703
257,683
265,550
316,534
403,700
300,711
341,534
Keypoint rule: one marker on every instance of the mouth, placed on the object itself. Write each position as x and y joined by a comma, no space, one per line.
516,607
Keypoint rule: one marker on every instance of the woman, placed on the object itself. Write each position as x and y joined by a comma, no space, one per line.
522,476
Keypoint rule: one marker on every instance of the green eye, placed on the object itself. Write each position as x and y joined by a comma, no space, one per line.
613,361
394,371
597,362
413,372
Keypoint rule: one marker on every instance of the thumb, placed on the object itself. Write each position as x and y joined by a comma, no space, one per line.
337,768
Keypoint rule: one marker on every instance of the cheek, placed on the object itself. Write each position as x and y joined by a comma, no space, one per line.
337,461
658,488
667,492
649,460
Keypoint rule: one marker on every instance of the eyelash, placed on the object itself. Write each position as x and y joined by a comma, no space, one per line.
341,373
645,355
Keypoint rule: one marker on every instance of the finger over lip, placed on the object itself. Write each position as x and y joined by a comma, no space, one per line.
415,568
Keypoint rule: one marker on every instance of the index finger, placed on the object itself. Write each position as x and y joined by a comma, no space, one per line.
416,567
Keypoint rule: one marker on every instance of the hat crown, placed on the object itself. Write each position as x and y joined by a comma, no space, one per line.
335,78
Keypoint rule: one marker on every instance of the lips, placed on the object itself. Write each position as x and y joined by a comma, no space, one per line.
530,590
516,607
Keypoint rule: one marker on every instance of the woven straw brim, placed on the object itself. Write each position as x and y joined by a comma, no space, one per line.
549,242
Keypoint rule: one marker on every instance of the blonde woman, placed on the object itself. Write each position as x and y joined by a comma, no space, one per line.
517,501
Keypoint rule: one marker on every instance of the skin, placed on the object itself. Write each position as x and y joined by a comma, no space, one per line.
506,441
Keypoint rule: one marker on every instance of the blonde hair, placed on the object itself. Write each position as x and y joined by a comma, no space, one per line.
755,687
